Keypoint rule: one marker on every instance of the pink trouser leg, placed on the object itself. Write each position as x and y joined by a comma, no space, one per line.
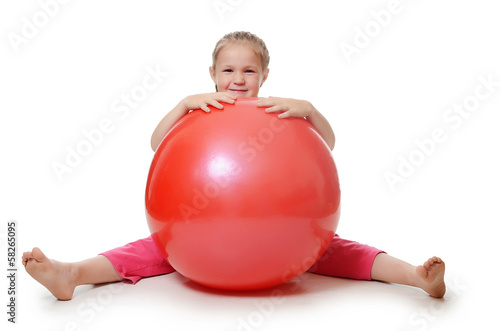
138,259
347,259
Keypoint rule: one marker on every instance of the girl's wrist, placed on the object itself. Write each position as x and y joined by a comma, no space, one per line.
312,110
182,107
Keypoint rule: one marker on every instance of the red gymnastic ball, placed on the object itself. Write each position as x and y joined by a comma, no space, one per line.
240,199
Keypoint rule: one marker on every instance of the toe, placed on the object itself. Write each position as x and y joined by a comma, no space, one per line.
38,254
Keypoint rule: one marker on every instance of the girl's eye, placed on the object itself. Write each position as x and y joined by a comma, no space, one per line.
249,71
227,70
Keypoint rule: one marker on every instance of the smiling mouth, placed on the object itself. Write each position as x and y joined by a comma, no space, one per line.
238,91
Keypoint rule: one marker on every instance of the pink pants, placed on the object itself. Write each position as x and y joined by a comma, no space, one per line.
343,258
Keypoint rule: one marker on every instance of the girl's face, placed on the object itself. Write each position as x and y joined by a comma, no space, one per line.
238,70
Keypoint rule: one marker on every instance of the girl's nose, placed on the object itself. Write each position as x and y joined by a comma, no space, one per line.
239,79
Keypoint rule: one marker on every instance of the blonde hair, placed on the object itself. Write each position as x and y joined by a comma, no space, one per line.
255,42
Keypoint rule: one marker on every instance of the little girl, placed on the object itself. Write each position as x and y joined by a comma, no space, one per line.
239,68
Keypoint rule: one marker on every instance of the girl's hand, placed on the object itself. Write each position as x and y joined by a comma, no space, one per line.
192,102
202,101
300,108
287,107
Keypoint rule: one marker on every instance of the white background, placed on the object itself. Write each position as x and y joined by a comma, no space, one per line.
65,77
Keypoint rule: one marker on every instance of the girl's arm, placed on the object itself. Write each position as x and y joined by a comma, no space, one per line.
192,102
300,108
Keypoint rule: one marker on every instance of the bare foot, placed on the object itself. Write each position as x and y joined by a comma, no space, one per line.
57,277
430,277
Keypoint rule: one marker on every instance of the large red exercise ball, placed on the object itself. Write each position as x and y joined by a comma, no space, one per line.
241,199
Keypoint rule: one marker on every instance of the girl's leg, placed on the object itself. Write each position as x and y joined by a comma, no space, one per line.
428,276
346,259
127,263
349,259
61,278
138,259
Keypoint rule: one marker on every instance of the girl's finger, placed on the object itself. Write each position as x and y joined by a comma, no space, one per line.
285,114
216,104
264,103
274,109
229,99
